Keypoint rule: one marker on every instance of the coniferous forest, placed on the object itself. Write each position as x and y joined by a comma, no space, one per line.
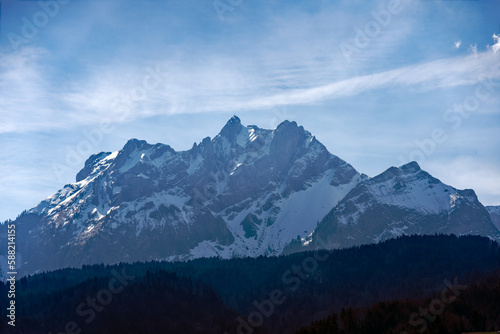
413,284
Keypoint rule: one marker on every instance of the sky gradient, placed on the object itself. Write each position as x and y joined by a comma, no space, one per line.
380,83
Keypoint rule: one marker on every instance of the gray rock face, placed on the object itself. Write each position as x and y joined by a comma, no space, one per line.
246,192
405,200
494,212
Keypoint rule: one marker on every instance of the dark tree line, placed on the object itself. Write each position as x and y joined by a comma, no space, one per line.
476,309
303,288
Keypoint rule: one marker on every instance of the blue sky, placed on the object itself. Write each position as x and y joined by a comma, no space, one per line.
380,83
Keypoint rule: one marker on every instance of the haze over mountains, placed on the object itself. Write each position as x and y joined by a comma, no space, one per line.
246,192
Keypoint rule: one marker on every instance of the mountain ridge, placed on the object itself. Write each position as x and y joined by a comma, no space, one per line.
234,195
404,200
246,192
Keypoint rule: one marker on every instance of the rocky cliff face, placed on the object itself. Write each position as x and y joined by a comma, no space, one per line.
494,212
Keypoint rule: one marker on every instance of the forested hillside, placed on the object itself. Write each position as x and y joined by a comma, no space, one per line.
274,294
474,308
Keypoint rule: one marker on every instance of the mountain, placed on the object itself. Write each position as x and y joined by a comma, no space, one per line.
246,192
494,212
404,200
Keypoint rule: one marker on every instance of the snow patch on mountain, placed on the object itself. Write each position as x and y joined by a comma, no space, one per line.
412,188
301,212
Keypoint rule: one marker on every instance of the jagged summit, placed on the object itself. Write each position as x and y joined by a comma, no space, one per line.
232,128
135,144
411,167
234,119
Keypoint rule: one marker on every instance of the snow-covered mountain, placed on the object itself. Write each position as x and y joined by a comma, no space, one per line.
404,200
494,212
246,192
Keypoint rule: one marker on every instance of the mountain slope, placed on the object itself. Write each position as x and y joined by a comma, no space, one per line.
405,200
247,192
494,212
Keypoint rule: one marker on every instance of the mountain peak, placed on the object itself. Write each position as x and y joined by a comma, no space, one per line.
232,128
410,167
405,171
288,124
134,144
235,119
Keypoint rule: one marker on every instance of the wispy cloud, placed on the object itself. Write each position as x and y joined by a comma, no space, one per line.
24,90
437,74
218,86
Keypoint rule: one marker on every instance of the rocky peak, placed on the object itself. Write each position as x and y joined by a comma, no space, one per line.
289,128
135,144
410,168
407,172
232,128
288,137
